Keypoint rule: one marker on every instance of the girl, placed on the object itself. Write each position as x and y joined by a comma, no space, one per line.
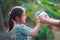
16,23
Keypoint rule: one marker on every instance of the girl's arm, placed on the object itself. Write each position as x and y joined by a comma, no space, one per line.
35,30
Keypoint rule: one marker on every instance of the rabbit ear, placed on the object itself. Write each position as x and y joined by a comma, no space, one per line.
42,13
39,13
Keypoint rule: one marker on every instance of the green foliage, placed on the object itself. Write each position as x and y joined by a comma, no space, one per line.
45,33
53,14
28,8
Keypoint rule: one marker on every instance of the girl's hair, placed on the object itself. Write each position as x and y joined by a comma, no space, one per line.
15,11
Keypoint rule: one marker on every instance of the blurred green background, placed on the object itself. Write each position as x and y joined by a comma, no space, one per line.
51,7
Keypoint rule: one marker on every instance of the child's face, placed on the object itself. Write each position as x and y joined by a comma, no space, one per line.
23,18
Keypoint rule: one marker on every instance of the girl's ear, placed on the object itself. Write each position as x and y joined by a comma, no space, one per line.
17,18
14,22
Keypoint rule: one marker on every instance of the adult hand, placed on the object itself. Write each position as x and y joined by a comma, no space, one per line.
43,16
